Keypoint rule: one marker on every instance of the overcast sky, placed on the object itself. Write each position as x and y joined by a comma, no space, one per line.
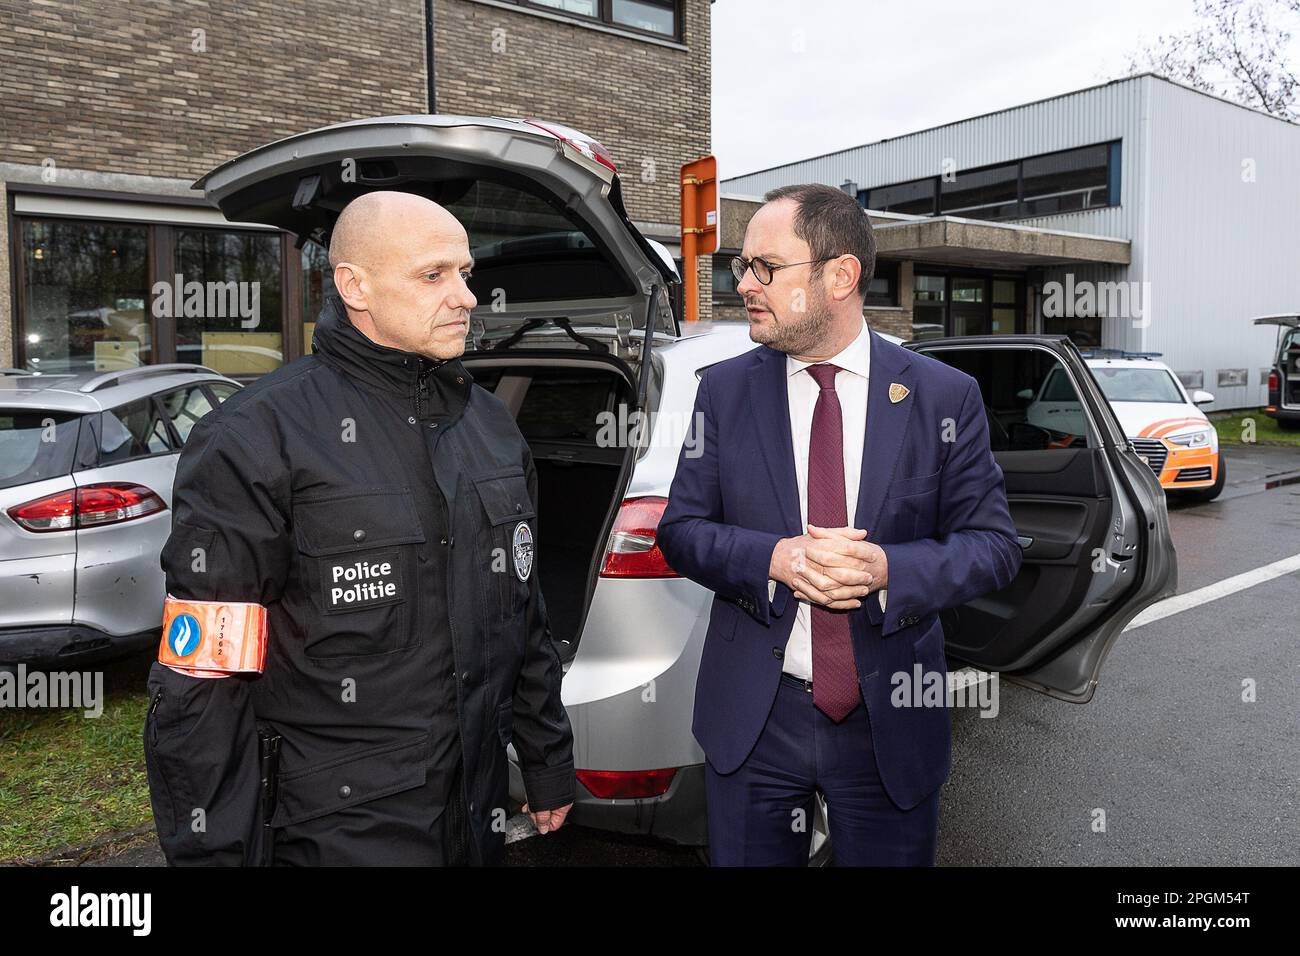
792,80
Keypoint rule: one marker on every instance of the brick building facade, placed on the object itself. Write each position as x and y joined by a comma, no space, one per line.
110,110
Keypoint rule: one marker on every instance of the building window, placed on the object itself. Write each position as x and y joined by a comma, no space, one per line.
661,18
883,290
1006,307
724,282
1067,181
967,303
915,198
236,327
578,8
929,307
982,193
82,295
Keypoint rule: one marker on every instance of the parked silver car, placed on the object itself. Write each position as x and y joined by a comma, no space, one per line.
86,467
577,332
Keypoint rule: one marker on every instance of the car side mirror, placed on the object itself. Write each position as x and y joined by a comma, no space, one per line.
1202,397
1025,394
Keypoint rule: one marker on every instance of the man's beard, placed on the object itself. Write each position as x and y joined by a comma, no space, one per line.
800,335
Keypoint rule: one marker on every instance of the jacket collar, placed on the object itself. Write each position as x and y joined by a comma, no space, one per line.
437,390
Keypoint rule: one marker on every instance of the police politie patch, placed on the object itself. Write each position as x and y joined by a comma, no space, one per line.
350,583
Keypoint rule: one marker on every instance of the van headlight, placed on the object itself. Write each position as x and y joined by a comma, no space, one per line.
1192,439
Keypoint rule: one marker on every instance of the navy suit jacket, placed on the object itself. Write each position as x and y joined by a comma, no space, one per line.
931,495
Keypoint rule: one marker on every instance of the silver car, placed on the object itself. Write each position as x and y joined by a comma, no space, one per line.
86,467
578,332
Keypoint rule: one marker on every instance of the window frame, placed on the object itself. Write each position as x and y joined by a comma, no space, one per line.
160,266
204,390
604,16
1114,183
173,438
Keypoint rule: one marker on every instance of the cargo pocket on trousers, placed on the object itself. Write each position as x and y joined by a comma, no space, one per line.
350,780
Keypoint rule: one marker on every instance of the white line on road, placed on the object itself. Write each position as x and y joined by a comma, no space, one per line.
1212,592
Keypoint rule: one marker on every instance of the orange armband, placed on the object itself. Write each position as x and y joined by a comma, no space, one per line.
213,638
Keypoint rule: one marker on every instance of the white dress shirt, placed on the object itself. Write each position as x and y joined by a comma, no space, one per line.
802,391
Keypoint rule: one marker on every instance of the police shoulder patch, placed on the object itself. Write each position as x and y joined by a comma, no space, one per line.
523,550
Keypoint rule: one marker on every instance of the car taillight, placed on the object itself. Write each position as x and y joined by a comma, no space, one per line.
631,551
583,143
51,513
627,784
108,502
1274,383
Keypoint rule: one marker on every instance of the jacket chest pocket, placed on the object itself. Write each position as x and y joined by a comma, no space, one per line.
358,554
912,506
511,535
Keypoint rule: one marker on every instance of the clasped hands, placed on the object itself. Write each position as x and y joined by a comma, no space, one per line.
831,567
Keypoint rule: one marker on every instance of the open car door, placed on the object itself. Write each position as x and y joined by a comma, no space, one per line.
1090,516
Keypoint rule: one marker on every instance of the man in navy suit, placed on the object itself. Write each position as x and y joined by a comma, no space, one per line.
840,494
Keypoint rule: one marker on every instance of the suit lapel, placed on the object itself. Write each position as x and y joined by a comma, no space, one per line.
886,426
768,397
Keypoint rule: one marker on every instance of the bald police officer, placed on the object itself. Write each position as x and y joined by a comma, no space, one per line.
376,509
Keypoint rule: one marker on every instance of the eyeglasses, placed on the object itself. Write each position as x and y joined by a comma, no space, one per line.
763,269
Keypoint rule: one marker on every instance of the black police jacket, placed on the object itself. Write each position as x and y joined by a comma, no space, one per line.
381,506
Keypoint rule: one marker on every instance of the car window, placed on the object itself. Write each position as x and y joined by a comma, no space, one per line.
1057,387
1030,401
133,430
35,445
222,391
1290,348
1137,384
185,407
525,248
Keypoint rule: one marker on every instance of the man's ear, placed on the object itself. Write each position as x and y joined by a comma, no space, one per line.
844,277
350,281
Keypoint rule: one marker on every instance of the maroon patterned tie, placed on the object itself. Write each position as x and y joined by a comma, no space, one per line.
835,676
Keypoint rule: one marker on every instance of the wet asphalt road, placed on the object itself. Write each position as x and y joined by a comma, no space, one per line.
1185,772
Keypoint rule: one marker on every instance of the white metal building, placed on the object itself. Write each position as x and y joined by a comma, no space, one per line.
1205,194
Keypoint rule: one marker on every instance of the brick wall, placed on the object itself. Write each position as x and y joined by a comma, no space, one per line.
171,88
648,103
174,87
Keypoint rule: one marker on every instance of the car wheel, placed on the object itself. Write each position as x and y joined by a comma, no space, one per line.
1289,424
819,848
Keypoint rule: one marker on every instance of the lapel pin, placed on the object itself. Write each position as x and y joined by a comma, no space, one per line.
898,392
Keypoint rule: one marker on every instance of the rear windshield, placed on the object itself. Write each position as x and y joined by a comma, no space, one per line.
35,445
525,249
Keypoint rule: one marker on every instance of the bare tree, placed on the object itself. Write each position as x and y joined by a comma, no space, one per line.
1238,51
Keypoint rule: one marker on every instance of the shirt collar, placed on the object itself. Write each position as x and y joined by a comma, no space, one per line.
855,358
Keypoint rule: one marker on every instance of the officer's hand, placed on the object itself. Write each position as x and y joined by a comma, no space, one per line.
548,820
